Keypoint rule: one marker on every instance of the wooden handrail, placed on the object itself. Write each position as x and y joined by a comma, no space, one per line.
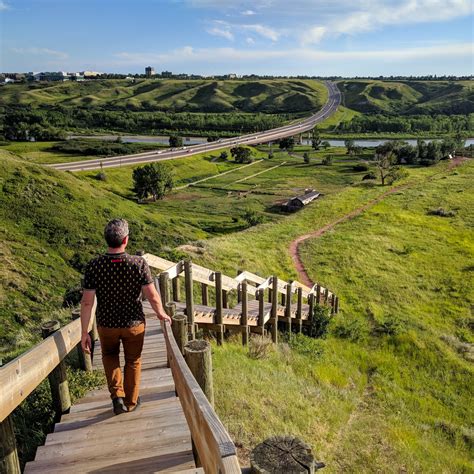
23,374
204,275
215,448
175,270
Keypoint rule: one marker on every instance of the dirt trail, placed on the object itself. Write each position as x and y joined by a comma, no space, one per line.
294,246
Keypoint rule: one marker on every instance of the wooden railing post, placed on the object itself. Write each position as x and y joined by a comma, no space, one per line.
220,326
85,360
261,308
326,296
299,309
239,298
188,283
333,302
164,281
274,312
288,306
318,294
175,288
204,294
311,306
9,461
336,306
57,378
198,356
180,332
225,303
244,318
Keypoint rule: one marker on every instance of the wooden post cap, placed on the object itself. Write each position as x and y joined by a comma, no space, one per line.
283,454
179,317
197,345
49,327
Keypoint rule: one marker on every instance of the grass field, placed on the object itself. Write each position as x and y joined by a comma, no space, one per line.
390,387
423,97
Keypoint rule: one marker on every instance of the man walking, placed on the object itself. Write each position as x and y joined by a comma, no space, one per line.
117,280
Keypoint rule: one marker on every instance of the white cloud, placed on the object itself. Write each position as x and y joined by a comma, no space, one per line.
41,52
263,30
224,33
3,6
378,13
248,13
217,55
249,40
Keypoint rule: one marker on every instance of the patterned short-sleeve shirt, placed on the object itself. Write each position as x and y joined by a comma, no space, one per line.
117,280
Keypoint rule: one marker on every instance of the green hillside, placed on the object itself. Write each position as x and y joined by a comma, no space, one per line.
266,96
51,226
390,387
408,98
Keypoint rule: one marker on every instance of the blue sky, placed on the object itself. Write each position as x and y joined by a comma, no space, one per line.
281,37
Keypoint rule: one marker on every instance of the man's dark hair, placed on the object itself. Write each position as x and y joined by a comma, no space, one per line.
115,231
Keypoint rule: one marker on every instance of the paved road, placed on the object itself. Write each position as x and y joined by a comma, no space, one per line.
274,134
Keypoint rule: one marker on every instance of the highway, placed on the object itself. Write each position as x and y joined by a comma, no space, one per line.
334,99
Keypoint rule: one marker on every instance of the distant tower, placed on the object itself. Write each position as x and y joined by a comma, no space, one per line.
149,71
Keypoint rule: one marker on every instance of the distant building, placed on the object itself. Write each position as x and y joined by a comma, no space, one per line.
90,74
51,76
298,202
149,71
166,74
231,76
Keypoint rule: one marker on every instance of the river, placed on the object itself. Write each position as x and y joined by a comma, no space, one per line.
163,140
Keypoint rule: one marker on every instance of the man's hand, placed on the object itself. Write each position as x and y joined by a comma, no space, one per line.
164,317
86,343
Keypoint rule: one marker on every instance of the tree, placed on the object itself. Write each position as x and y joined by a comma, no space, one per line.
154,179
241,154
287,143
175,141
387,169
270,154
306,157
350,145
325,144
316,139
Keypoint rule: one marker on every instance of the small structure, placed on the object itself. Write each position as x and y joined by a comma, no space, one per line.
297,202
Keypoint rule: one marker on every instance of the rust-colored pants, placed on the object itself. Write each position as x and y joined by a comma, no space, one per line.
132,340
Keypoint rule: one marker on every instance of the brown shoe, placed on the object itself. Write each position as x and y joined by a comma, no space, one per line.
137,405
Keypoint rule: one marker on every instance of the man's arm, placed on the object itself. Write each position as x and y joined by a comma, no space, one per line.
87,303
155,300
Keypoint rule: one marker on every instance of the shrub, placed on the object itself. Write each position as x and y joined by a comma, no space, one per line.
327,160
370,175
361,167
305,345
260,347
252,217
441,212
101,176
72,297
350,328
224,155
306,157
320,320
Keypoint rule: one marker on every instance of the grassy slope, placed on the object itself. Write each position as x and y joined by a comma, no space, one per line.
268,96
433,97
372,402
51,222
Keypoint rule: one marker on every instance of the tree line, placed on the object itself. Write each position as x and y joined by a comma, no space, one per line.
49,123
408,124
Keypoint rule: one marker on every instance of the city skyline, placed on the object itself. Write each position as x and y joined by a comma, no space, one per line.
213,37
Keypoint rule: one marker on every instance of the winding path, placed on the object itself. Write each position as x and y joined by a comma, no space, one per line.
295,244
